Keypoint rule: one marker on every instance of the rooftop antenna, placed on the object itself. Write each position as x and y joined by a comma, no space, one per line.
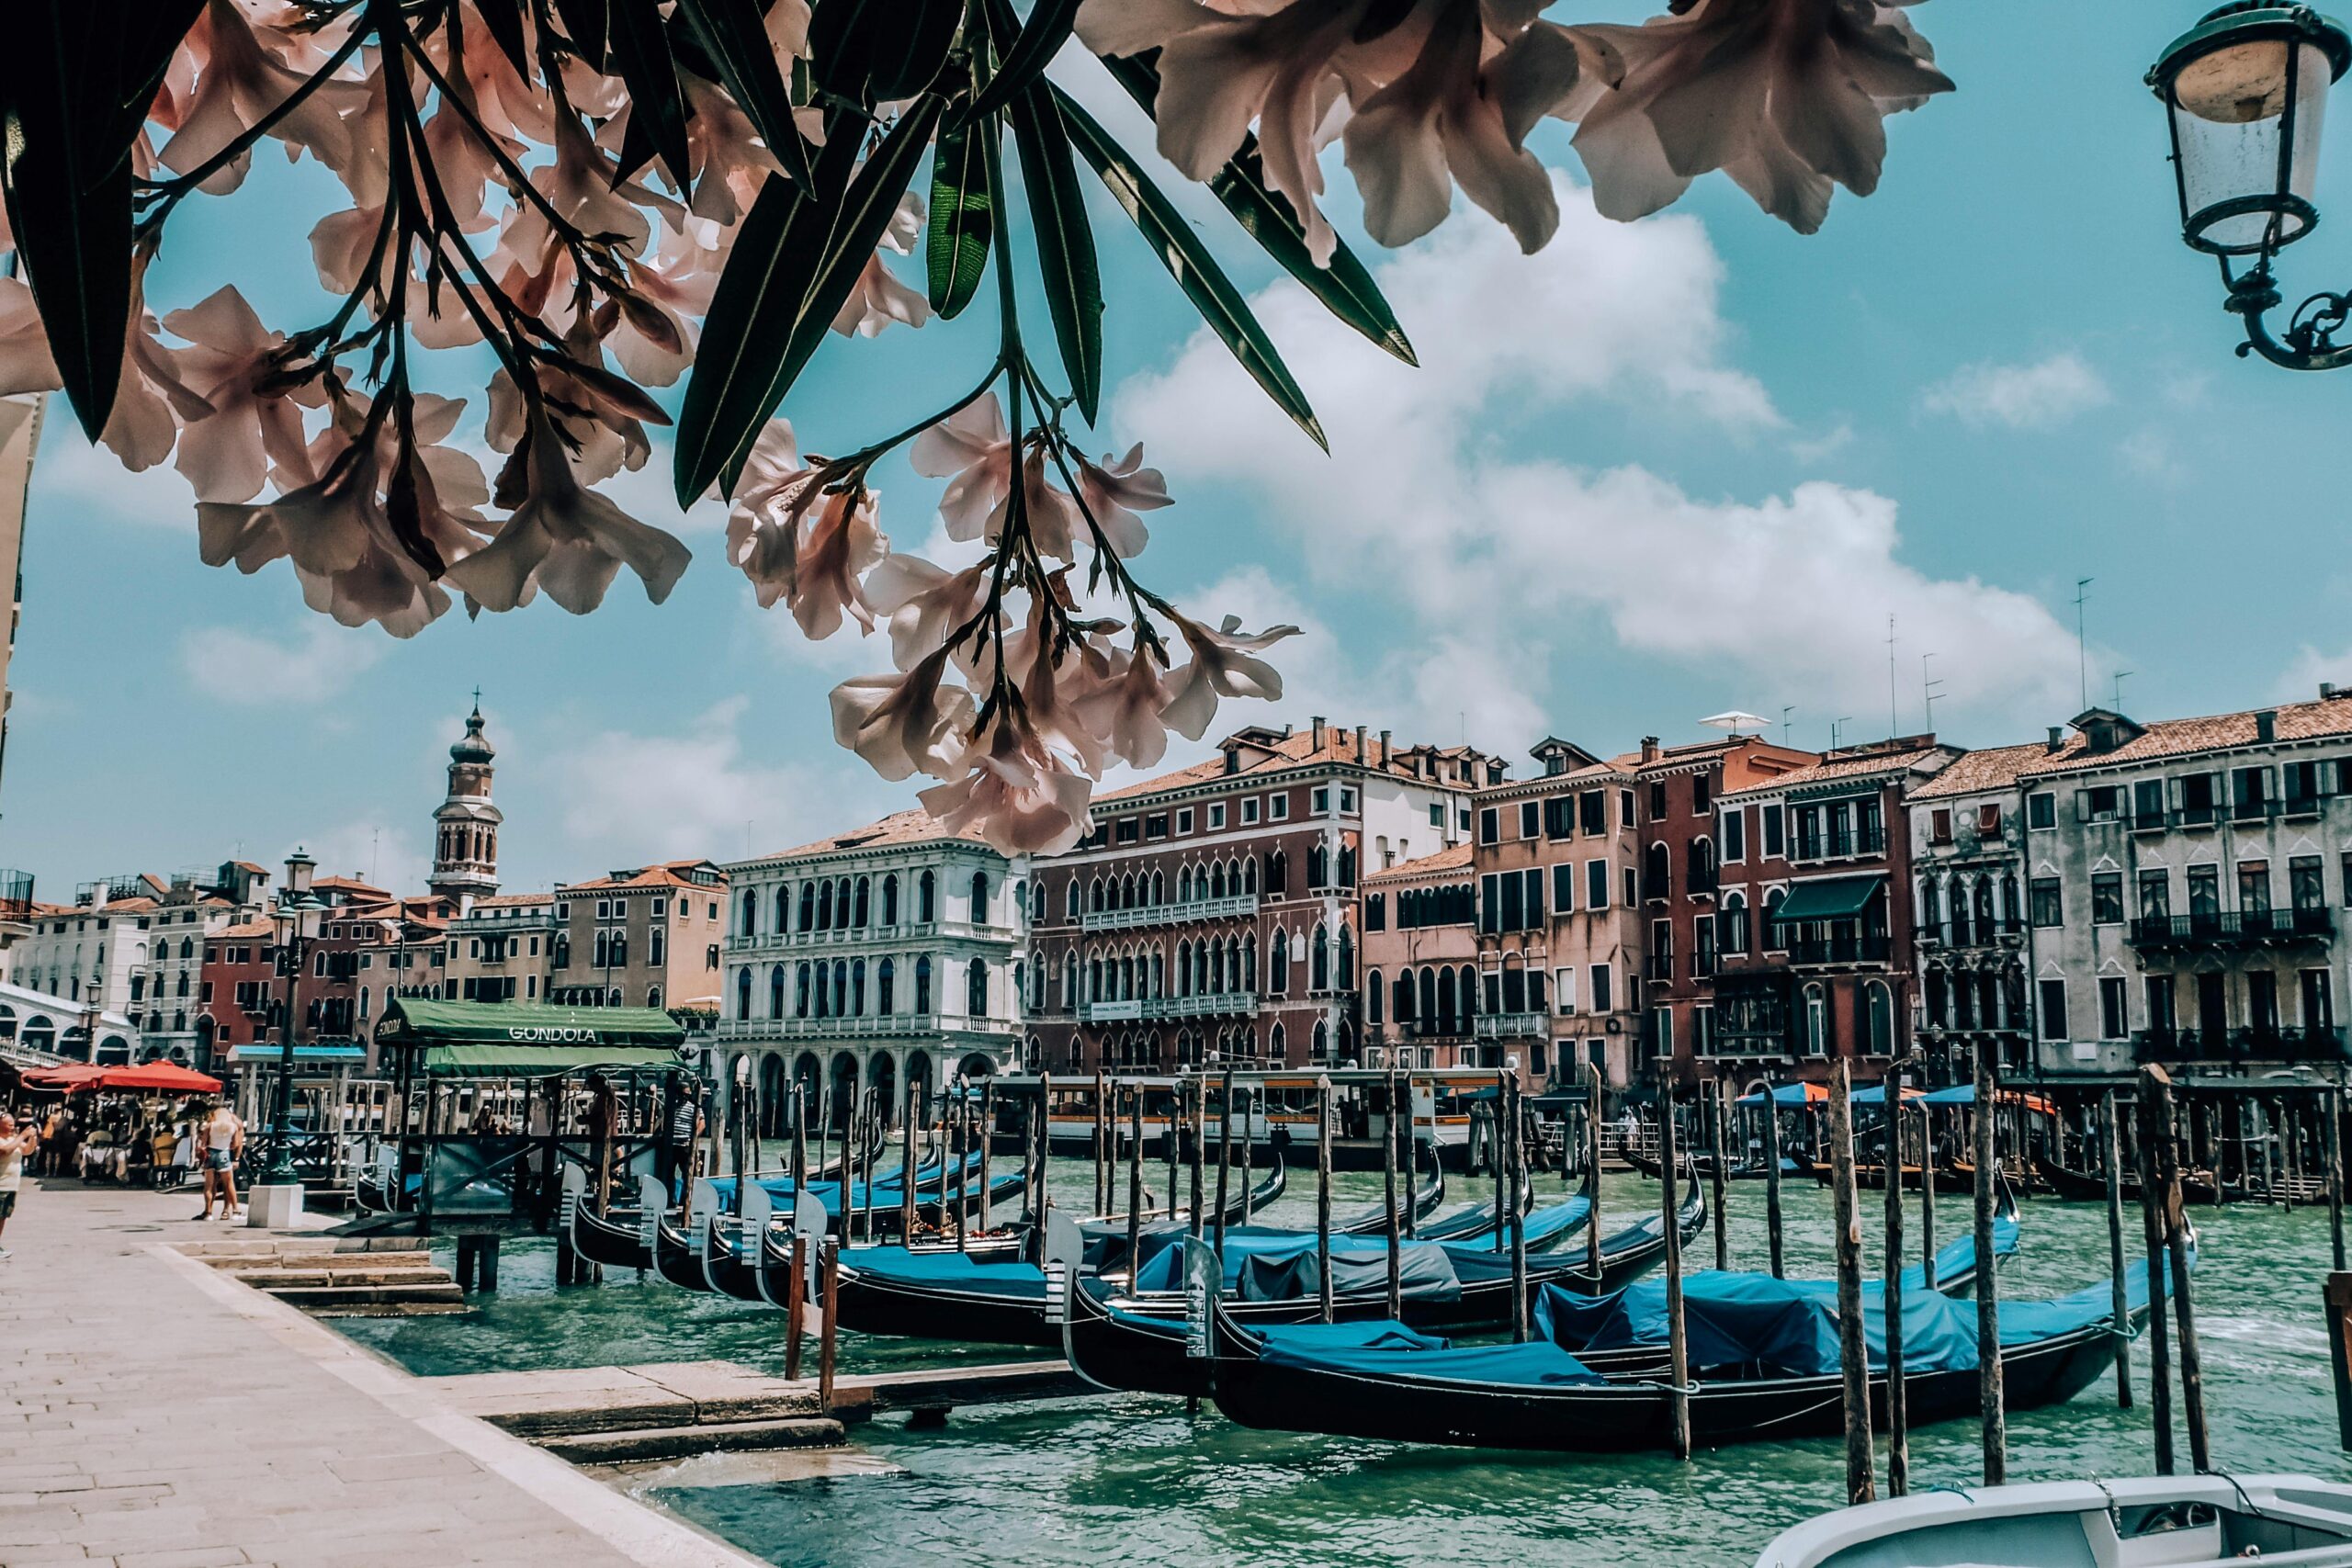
1893,722
375,844
1785,724
1929,689
2082,642
1835,725
2119,674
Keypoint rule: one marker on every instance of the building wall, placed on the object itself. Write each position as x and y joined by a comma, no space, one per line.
649,943
1421,955
502,950
1967,893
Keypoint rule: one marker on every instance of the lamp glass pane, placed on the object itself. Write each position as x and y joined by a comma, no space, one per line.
2228,112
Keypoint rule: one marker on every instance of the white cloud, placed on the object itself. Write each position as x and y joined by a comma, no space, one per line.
232,665
1424,501
1828,444
71,474
2299,681
628,799
390,857
2022,397
2150,454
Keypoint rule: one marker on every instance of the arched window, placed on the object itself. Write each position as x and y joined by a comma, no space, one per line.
2009,911
604,949
976,989
1278,874
1816,1020
1404,997
1429,1015
1249,962
775,992
1658,872
1249,875
1984,905
1095,980
1775,939
750,921
1318,862
1069,900
922,981
782,907
863,905
187,948
742,993
1931,903
1159,890
889,898
653,997
825,907
1932,999
800,991
1347,959
1278,965
1318,960
1274,1042
1374,994
1448,1018
181,989
808,907
1217,882
857,989
824,994
927,897
1320,1048
979,897
1184,968
1878,1012
886,975
1735,922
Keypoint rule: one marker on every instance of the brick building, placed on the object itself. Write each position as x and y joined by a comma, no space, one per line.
642,938
1421,956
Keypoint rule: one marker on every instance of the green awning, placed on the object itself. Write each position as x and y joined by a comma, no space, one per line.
1829,899
528,1039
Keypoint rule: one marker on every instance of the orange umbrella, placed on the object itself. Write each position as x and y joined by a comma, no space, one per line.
161,1077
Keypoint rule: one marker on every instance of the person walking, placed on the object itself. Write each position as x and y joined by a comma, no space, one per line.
219,1142
15,1143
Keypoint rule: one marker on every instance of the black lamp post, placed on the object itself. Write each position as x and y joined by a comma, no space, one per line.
297,921
2245,91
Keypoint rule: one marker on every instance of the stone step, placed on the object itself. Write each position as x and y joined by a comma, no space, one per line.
359,1273
679,1442
316,1298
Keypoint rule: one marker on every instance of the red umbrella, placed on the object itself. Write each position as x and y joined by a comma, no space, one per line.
160,1076
72,1075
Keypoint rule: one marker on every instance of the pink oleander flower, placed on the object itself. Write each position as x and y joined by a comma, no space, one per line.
227,453
925,605
26,364
878,297
763,527
239,81
150,400
839,542
1115,490
972,445
1125,709
1222,666
1786,97
1025,798
903,724
1220,68
1460,112
603,423
565,539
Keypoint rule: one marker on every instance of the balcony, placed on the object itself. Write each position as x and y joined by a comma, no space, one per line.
1658,966
1988,931
887,1026
1846,947
1512,1026
2235,928
1202,1004
1700,879
1232,907
2241,1044
1849,845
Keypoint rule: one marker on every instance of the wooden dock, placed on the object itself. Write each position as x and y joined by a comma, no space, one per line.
670,1409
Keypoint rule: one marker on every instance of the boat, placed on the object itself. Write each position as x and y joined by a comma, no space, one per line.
1373,1219
1702,1163
1133,1341
2150,1521
2090,1187
1764,1364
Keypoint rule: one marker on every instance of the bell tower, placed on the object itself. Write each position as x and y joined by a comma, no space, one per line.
465,842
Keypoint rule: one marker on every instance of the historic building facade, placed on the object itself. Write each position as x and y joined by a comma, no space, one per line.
1421,956
1967,829
1815,953
880,958
647,937
1214,913
465,825
502,949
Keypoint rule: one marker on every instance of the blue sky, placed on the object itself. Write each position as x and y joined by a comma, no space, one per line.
1655,471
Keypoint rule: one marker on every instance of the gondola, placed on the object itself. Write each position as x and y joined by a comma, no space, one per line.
1540,1397
1373,1219
1134,1342
2088,1186
1701,1162
680,1247
2153,1521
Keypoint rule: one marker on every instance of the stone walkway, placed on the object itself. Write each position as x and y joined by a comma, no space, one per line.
156,1415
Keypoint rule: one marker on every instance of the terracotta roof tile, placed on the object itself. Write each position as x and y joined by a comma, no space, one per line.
1290,753
669,874
515,901
914,826
1837,765
1452,858
2219,732
1996,767
248,927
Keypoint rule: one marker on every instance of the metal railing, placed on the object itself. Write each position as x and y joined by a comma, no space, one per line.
1974,931
1862,947
1839,846
2242,1043
1226,908
844,936
2226,926
896,1025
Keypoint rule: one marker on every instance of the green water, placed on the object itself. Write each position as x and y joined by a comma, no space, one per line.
1136,1481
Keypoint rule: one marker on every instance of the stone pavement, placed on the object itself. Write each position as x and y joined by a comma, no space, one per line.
155,1414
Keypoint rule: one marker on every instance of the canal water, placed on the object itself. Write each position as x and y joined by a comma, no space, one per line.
1134,1481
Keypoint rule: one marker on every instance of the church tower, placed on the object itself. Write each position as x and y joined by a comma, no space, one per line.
465,844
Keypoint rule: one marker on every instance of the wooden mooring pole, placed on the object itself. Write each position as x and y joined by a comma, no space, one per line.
1323,1196
2111,1159
1135,1176
1224,1156
796,1306
2158,1085
1592,1096
2153,1228
1988,1280
1392,1228
1200,1129
830,1252
1104,1118
1772,1212
1678,1339
2331,1143
955,1115
1898,1416
907,1182
987,1142
1039,1201
1719,1182
1515,1157
1927,1190
1853,1361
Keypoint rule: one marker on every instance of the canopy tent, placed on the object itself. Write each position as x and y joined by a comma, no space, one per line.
1790,1095
1965,1094
1876,1095
1829,899
514,1040
153,1078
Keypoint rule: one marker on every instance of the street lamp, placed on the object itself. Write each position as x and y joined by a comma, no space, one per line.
295,923
2245,91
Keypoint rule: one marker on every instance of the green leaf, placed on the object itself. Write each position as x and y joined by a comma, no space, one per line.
504,20
1042,37
75,81
876,50
1065,242
585,22
963,216
1189,263
731,32
794,261
639,47
1345,288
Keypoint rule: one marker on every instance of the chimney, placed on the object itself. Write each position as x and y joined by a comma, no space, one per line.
2057,737
2266,725
1232,758
2327,691
1649,748
1318,732
1384,748
1362,757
